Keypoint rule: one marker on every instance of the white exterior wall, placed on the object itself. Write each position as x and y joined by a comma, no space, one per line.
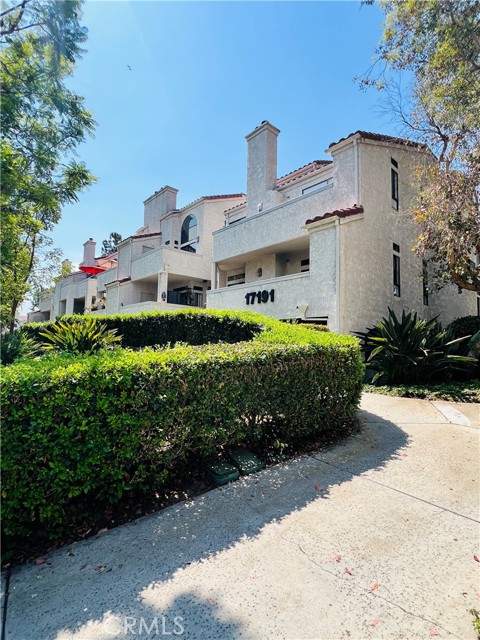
300,295
124,259
366,256
105,278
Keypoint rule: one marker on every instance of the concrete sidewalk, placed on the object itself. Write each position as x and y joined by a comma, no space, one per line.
372,538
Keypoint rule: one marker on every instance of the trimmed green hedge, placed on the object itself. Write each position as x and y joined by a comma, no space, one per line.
192,326
81,431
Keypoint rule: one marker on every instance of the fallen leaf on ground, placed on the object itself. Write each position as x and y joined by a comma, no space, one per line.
374,586
104,530
338,558
403,455
70,553
40,561
476,558
347,570
318,487
374,623
434,632
83,566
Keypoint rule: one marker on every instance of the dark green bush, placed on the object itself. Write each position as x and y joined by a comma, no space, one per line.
412,351
87,336
468,326
190,326
81,431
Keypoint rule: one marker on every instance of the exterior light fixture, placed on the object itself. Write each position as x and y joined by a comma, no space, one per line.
164,296
259,272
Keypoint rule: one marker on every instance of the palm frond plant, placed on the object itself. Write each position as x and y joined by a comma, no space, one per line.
17,345
87,336
413,351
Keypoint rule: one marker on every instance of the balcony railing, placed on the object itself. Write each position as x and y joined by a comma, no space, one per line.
186,298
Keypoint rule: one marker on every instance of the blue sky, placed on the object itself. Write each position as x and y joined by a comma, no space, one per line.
203,75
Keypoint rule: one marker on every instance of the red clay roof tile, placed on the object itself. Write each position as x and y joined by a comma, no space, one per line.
315,165
379,137
340,213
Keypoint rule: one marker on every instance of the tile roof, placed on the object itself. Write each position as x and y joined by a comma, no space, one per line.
315,165
379,137
237,206
224,196
146,235
221,197
340,213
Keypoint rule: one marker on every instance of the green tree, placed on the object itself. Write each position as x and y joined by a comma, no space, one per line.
42,122
438,43
110,245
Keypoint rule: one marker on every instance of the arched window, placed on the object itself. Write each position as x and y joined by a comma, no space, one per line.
189,235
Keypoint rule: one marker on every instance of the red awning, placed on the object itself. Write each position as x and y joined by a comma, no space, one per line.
92,270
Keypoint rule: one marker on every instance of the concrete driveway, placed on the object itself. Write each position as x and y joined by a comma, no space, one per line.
373,538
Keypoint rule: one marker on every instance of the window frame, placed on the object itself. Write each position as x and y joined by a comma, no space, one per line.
190,245
396,271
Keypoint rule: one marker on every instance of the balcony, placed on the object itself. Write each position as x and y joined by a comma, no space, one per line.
185,298
300,295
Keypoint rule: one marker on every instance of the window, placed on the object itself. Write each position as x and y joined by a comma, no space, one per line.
394,183
146,249
305,265
396,270
188,236
318,187
238,278
425,282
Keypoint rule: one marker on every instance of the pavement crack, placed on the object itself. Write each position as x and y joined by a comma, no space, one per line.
368,591
348,472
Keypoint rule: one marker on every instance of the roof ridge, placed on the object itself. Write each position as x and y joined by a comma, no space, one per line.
380,137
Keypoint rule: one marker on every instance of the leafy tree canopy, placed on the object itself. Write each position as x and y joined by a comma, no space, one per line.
42,123
110,245
439,43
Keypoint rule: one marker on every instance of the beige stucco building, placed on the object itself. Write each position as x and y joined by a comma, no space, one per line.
330,242
166,264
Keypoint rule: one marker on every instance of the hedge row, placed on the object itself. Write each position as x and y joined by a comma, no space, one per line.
83,431
162,327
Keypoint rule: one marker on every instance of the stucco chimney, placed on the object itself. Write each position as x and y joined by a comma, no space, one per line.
157,205
89,252
261,165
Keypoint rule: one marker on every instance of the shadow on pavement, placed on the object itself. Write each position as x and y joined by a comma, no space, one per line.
83,596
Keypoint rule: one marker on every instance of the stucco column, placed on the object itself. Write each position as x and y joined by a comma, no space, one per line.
69,306
213,277
162,286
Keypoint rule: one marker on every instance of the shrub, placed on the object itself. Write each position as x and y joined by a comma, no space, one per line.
146,329
315,327
412,351
17,345
79,432
86,336
468,326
